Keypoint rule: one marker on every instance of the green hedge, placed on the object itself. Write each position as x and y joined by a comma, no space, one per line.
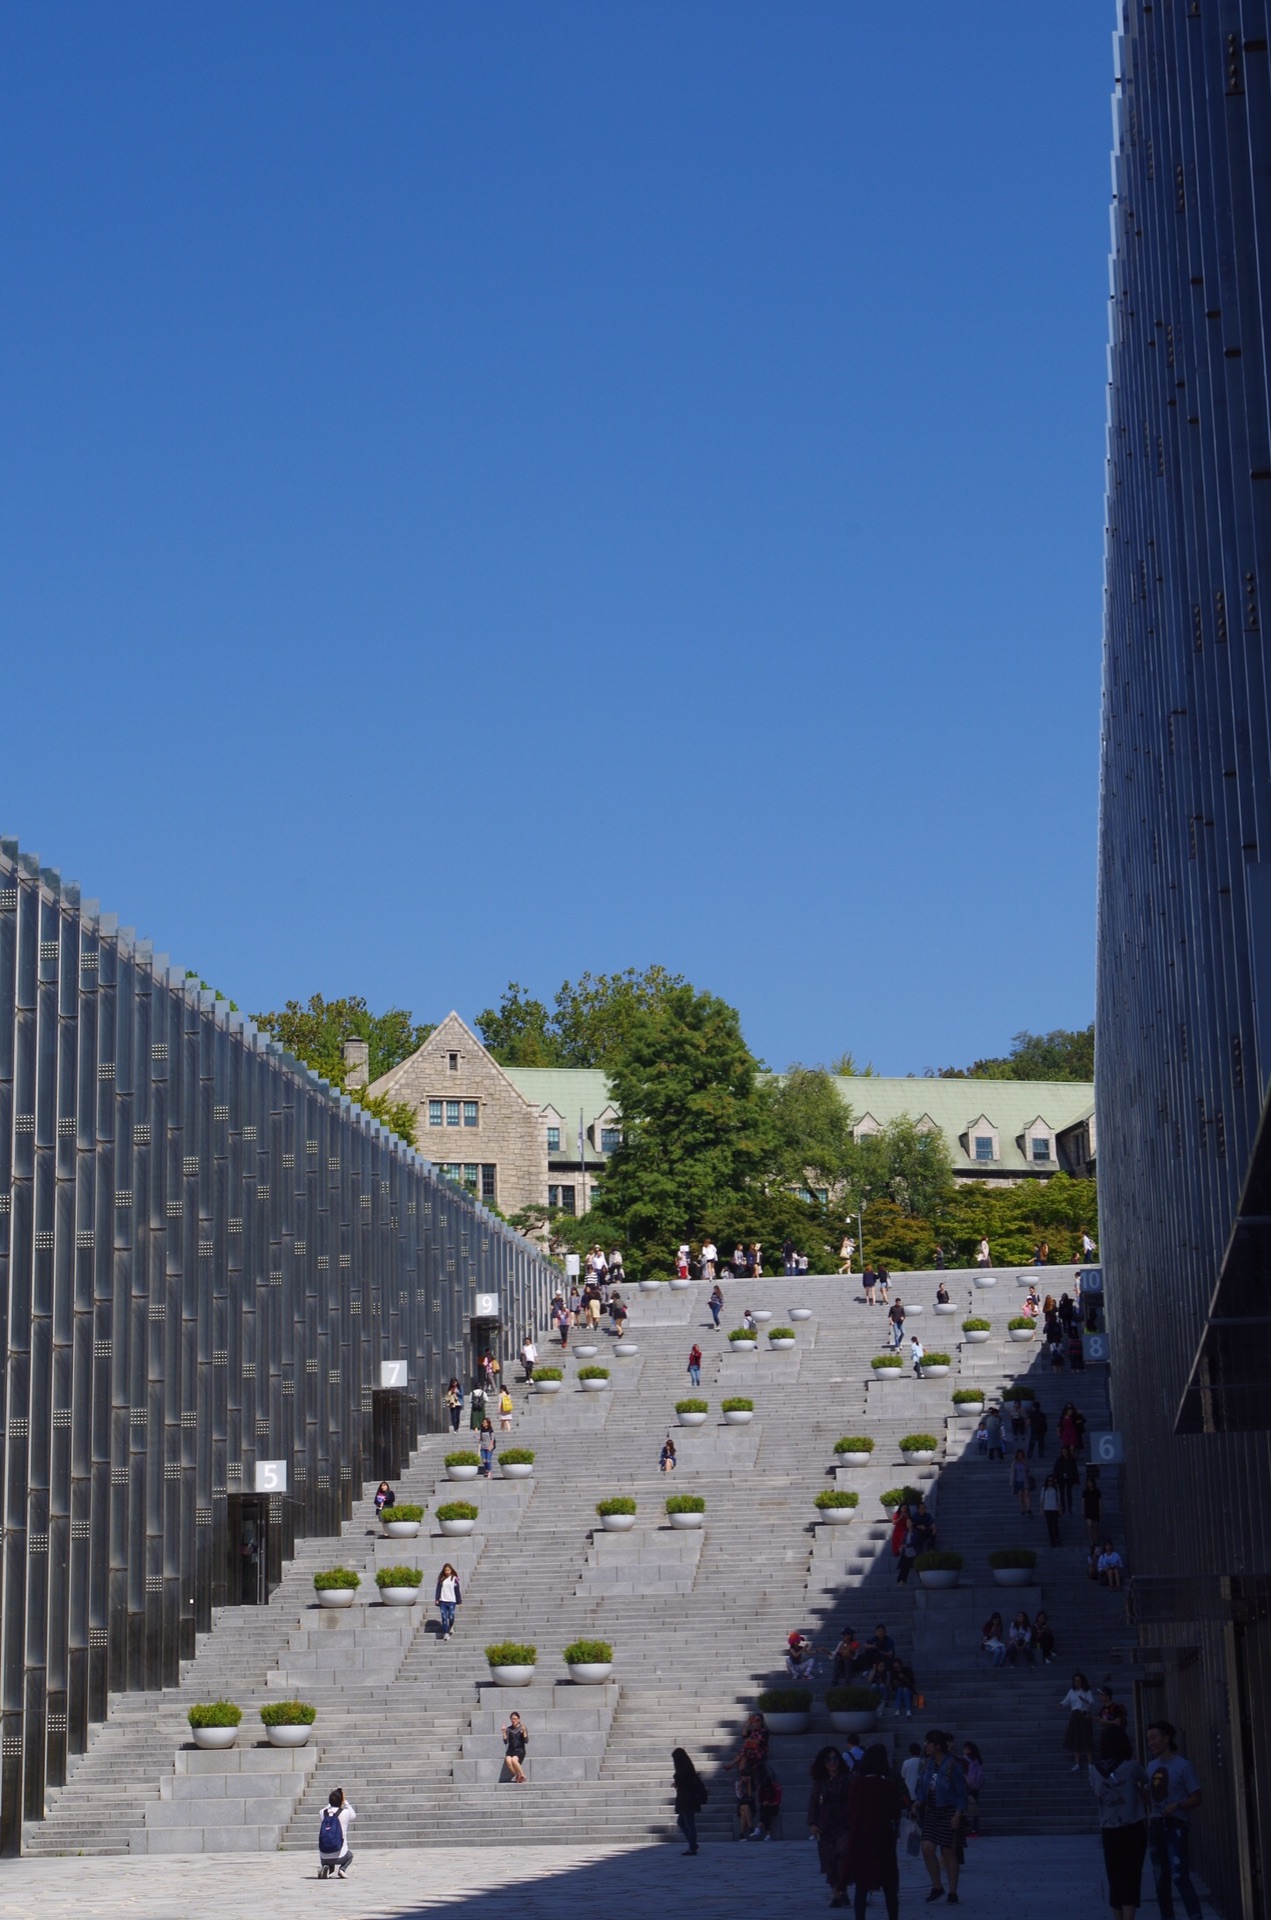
215,1713
465,1459
458,1510
511,1653
939,1562
587,1653
855,1443
1013,1557
742,1333
593,1373
883,1361
977,1326
738,1404
402,1513
686,1503
899,1496
837,1497
852,1700
919,1443
785,1700
335,1578
963,1396
517,1456
288,1713
398,1577
621,1503
692,1406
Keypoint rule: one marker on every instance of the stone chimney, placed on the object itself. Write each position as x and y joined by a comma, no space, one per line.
357,1057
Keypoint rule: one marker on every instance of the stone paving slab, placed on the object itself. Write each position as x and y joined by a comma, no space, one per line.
1050,1878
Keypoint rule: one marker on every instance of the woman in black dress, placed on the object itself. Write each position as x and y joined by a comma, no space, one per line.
690,1796
1121,1795
827,1819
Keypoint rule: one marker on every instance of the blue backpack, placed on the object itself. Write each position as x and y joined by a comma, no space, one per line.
330,1833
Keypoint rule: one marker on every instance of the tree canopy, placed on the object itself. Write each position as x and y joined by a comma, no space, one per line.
586,1027
1063,1054
316,1034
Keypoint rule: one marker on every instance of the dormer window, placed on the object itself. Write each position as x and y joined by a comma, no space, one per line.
553,1139
984,1146
1040,1148
610,1139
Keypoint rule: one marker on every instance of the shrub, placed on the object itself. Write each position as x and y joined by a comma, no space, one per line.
963,1396
398,1577
215,1713
1018,1392
458,1510
517,1456
851,1700
781,1333
593,1373
837,1497
742,1333
1021,1320
511,1653
899,1496
786,1700
919,1443
977,1326
936,1360
337,1577
939,1562
739,1404
686,1503
884,1360
855,1443
288,1713
1013,1557
692,1406
465,1459
548,1373
621,1503
587,1653
402,1513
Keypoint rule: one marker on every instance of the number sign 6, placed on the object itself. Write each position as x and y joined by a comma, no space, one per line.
1107,1449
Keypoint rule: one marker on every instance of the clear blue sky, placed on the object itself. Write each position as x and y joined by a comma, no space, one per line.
496,490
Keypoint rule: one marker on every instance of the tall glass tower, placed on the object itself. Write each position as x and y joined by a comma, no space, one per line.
1184,1002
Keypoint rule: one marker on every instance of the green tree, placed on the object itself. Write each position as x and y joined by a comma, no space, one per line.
1063,1054
845,1065
316,1034
811,1130
908,1165
587,1025
518,1033
695,1127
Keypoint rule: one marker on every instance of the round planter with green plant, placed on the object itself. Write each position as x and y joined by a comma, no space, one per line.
593,1379
743,1339
517,1463
900,1497
288,1723
401,1522
547,1379
781,1337
919,1448
685,1509
968,1402
589,1662
854,1450
852,1709
935,1365
977,1331
938,1569
511,1663
618,1514
1019,1391
692,1413
786,1709
887,1367
214,1724
1013,1566
463,1466
399,1586
457,1519
337,1586
835,1506
737,1410
1020,1327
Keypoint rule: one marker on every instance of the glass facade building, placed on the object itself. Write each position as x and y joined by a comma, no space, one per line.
1184,991
230,1297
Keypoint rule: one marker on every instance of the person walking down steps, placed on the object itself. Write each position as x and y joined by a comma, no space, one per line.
335,1856
449,1595
695,1365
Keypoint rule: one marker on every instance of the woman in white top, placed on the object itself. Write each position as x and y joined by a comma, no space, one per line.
1078,1737
337,1813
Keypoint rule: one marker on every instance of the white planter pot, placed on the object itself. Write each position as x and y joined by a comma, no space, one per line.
399,1596
800,1313
775,1346
548,1386
918,1456
945,1306
738,1417
938,1577
933,1373
624,1350
585,1353
651,1286
743,1346
692,1419
986,1279
847,1722
887,1373
591,1673
617,1522
401,1529
853,1459
912,1308
977,1338
512,1676
834,1516
454,1530
682,1520
593,1386
519,1470
1021,1333
968,1409
214,1739
1014,1576
336,1596
288,1736
463,1473
762,1313
679,1286
787,1722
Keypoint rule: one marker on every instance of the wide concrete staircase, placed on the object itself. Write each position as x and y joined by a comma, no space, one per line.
409,1725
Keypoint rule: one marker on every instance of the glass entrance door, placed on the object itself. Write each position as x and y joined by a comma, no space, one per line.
248,1582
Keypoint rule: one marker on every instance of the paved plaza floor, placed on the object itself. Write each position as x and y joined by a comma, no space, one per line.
1042,1879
